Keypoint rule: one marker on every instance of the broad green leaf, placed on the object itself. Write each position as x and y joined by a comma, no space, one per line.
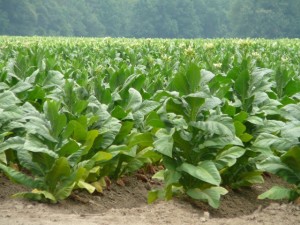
211,195
119,113
54,79
60,170
292,159
241,117
36,195
26,161
152,196
171,177
195,102
148,106
58,121
15,143
246,137
239,128
241,84
90,188
69,148
21,86
206,76
135,100
205,171
265,141
292,87
154,120
278,193
7,99
108,131
213,127
20,178
164,142
274,165
193,77
34,144
79,130
90,138
64,190
229,156
291,112
143,140
102,156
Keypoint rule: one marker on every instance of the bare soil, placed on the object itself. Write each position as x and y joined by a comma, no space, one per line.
128,205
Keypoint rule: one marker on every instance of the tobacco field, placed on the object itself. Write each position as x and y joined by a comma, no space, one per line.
212,115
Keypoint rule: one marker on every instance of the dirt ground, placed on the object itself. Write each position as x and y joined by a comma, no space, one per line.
128,205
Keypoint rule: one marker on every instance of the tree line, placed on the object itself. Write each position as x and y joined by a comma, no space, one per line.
151,18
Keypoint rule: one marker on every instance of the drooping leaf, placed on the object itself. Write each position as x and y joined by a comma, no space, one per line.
278,193
211,195
164,142
205,171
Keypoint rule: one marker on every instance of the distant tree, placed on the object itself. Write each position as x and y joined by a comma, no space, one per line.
20,17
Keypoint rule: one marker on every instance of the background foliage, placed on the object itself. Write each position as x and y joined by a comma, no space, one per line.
151,18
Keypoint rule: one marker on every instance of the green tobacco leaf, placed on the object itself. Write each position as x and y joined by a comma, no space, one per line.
119,113
291,130
108,132
265,141
21,86
292,159
213,127
34,144
181,84
135,100
206,77
7,99
195,102
239,128
90,188
102,156
19,177
228,157
154,120
292,87
164,142
54,79
148,106
246,137
58,121
241,84
69,148
171,177
3,86
60,170
278,193
36,195
143,140
124,131
291,112
274,165
90,138
79,130
211,195
152,196
193,77
205,171
15,143
26,161
241,117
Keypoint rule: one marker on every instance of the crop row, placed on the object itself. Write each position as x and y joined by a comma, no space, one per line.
214,113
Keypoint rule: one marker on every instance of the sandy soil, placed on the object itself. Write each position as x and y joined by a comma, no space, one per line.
128,205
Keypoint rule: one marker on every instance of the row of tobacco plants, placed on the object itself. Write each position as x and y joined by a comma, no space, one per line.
214,113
